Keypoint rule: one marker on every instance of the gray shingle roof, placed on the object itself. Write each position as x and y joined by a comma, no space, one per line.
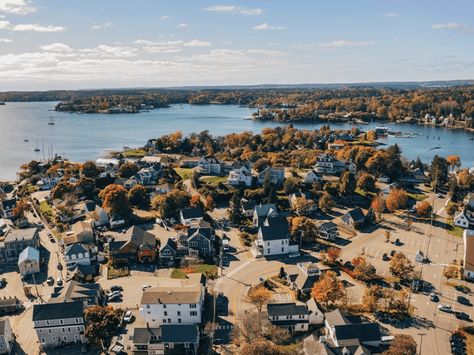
286,309
49,311
276,232
179,333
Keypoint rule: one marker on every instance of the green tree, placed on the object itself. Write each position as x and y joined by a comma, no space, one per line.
171,203
439,171
89,169
101,323
236,215
400,266
290,185
87,186
62,189
366,182
128,169
347,183
138,196
326,203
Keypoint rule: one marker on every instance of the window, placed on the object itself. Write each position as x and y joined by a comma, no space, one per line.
77,320
61,322
65,338
49,330
78,329
193,313
192,306
193,244
169,320
164,320
282,242
282,250
179,320
43,340
164,313
186,345
76,337
164,306
47,322
62,330
179,313
148,306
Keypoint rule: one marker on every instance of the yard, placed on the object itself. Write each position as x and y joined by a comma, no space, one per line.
454,230
133,153
45,208
207,269
184,173
213,180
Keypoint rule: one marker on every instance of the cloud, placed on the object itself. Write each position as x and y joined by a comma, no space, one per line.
4,24
170,46
266,53
37,28
101,27
391,14
56,47
267,27
344,43
17,7
235,10
164,17
197,43
453,26
182,25
5,40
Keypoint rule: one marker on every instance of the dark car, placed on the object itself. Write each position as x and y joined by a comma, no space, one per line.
392,253
397,242
3,282
116,288
397,286
385,257
463,300
462,315
458,350
463,289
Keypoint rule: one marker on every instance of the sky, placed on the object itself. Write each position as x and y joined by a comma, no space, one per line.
65,44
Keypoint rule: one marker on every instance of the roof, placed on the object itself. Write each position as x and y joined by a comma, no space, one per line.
179,333
21,234
286,309
350,327
328,226
248,204
190,213
50,311
6,302
3,321
75,291
304,282
9,204
190,294
170,243
211,159
137,237
29,253
273,232
205,232
264,210
356,214
75,249
468,236
81,226
144,335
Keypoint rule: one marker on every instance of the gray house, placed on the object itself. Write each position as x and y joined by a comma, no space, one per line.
17,240
197,242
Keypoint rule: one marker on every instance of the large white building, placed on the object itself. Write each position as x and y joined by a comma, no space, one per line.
327,164
7,338
274,240
173,301
58,324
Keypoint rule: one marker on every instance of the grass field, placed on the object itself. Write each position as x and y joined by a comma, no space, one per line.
213,180
45,208
184,173
201,268
417,197
134,153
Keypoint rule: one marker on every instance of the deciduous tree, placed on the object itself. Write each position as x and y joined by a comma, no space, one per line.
450,272
128,169
363,270
424,209
378,206
102,322
115,199
328,289
138,196
400,266
402,344
259,296
366,182
347,183
396,199
89,169
326,203
332,254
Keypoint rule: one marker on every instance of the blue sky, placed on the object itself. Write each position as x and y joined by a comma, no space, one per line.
58,44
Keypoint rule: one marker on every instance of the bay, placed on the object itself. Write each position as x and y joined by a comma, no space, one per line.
80,137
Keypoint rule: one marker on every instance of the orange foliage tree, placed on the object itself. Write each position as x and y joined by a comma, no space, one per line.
397,199
328,289
424,209
115,199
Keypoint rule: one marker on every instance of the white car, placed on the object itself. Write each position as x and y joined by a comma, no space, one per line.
144,287
445,308
128,317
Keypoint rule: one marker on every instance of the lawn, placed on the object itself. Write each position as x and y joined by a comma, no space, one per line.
213,180
417,197
184,173
134,153
366,194
454,230
45,208
114,273
201,268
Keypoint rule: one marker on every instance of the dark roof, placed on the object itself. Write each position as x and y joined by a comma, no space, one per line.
143,335
114,246
286,309
362,331
170,243
205,232
49,311
75,249
2,325
327,226
274,232
179,333
287,322
304,282
189,213
263,210
248,205
276,221
8,204
356,214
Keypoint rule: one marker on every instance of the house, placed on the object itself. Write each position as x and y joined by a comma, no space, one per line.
99,216
197,242
316,315
15,241
88,293
302,204
7,338
7,207
312,177
261,212
5,226
343,329
247,207
328,231
468,237
136,245
328,165
189,162
81,232
130,183
58,324
155,160
464,219
167,339
303,280
148,175
209,165
29,261
168,252
174,301
48,181
77,254
9,305
116,221
240,177
84,273
276,176
189,216
274,240
292,316
163,189
385,179
469,201
354,217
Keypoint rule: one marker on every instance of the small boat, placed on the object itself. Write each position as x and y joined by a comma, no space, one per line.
25,140
2,103
36,149
434,148
51,121
471,139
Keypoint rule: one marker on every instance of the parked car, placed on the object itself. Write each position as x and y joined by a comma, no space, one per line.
144,287
392,253
113,293
382,317
462,315
59,282
434,297
128,317
116,288
50,281
3,282
445,308
464,289
397,242
385,257
114,298
463,300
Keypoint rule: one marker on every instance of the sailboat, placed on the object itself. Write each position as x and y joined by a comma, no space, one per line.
51,121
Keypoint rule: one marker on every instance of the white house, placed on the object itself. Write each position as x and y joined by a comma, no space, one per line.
262,212
464,219
275,175
274,240
316,315
7,338
167,339
468,237
328,230
189,216
7,207
240,177
292,316
58,324
48,181
29,261
327,164
209,165
76,254
301,204
174,301
311,177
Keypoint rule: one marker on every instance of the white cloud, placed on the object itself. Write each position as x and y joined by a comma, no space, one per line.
4,24
56,47
5,40
344,43
18,7
164,17
182,25
266,53
37,28
101,27
453,26
236,10
392,14
267,27
197,43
